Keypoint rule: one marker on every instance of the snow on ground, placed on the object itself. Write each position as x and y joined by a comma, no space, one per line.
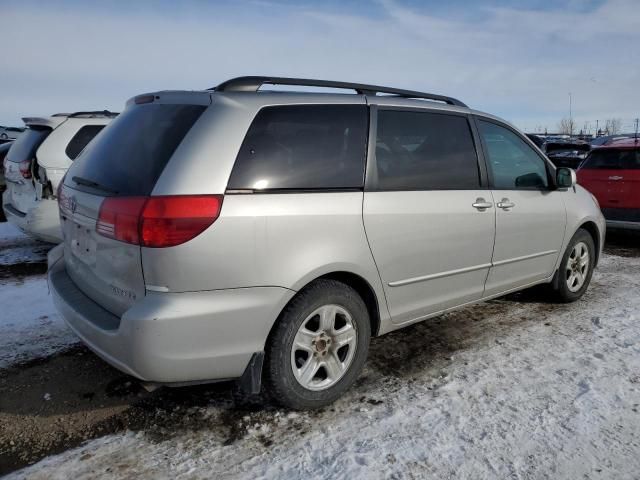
29,324
511,388
16,247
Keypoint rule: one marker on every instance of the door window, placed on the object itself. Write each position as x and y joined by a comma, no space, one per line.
512,162
424,151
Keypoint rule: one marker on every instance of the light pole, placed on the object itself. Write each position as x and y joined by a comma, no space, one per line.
570,118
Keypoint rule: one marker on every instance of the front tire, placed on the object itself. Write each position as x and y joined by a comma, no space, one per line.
318,346
575,271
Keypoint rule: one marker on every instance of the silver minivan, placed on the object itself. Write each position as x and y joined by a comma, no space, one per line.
266,236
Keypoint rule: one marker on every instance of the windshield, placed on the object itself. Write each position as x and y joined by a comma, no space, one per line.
610,159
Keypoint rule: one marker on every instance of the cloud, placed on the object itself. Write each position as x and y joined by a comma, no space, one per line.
516,63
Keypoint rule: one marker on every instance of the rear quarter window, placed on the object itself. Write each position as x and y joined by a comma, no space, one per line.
303,147
81,139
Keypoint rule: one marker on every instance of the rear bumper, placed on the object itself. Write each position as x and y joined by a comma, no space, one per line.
41,221
172,337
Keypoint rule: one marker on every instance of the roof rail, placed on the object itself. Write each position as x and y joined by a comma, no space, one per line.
252,84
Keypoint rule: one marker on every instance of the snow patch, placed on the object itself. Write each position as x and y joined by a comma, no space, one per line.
29,325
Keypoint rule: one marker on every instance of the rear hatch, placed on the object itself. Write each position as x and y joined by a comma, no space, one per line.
119,168
19,164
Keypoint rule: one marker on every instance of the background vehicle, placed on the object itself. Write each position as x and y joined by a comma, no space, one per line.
536,139
568,153
612,174
604,139
10,133
208,233
36,163
4,148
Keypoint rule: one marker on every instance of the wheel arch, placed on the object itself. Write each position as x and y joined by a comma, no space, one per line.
355,281
366,292
592,229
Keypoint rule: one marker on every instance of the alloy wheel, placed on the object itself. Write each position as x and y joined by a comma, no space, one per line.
324,347
577,267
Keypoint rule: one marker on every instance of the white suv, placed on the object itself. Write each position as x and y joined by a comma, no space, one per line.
36,163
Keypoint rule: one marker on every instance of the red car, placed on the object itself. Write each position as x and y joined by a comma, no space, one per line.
612,174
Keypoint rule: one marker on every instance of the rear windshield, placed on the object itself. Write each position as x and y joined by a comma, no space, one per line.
609,159
303,147
81,139
562,147
24,148
128,157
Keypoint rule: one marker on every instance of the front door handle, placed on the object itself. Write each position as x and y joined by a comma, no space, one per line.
615,177
506,204
481,204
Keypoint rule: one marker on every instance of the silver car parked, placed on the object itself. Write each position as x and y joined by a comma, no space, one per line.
238,233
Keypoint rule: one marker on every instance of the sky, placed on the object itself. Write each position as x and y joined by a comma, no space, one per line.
520,60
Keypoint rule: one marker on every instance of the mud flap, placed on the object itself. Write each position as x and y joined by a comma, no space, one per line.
556,279
251,380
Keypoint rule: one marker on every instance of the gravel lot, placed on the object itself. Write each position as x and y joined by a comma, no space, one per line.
515,388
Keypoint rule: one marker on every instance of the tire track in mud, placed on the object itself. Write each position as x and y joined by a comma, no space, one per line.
19,271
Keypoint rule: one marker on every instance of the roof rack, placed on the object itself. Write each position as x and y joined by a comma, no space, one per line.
252,84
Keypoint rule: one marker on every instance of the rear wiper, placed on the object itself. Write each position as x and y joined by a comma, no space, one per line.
92,184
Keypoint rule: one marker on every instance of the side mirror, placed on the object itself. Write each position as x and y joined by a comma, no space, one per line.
566,178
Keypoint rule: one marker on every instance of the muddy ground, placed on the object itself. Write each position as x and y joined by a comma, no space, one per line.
52,404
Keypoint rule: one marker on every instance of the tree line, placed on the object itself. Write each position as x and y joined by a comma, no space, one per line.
611,126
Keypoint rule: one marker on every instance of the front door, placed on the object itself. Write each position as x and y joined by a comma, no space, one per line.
530,214
428,215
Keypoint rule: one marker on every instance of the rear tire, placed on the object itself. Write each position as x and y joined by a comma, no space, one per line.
576,268
318,347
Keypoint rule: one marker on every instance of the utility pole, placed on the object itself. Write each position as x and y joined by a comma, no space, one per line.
637,128
570,117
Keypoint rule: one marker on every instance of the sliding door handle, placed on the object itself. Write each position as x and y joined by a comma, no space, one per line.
506,204
481,204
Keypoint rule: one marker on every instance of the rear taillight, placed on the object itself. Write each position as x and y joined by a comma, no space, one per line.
119,218
163,221
25,168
